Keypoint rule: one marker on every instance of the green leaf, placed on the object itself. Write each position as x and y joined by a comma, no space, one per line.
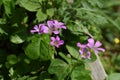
7,6
67,58
59,68
94,18
93,57
27,78
16,39
73,51
2,31
118,20
11,71
112,22
50,12
112,3
117,60
19,36
79,73
96,3
114,76
31,5
75,29
41,16
40,48
12,59
0,3
40,1
46,51
44,75
32,50
2,21
22,68
83,28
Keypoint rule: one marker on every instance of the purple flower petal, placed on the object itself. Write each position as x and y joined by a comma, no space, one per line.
53,38
81,45
78,44
57,38
60,23
98,44
101,49
88,55
55,22
90,42
56,32
52,43
46,30
64,27
61,42
32,31
50,23
42,27
36,28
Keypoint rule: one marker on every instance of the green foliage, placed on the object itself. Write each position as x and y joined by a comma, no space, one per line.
114,76
50,12
39,48
74,52
30,4
59,68
41,16
16,39
12,59
26,56
80,72
8,6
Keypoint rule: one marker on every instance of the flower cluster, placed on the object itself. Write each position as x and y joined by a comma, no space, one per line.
92,46
52,26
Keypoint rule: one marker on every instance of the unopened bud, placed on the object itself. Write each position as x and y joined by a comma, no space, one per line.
68,55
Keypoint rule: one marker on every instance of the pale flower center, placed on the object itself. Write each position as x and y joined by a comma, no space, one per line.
56,42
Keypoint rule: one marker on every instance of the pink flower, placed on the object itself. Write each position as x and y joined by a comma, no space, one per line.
84,51
95,46
56,41
59,24
40,29
51,28
54,26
